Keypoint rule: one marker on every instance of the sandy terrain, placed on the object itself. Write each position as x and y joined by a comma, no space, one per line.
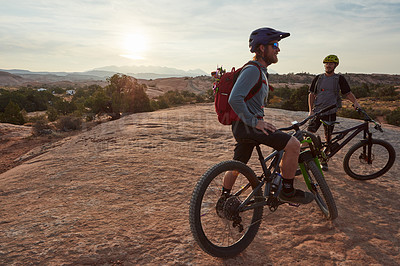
119,194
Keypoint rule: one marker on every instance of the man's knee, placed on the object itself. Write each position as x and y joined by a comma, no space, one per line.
293,146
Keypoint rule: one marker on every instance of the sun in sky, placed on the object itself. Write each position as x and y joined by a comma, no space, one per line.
134,46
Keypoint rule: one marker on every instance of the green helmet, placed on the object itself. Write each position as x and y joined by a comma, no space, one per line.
331,58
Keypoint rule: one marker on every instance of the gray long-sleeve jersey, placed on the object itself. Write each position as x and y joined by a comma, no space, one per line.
250,111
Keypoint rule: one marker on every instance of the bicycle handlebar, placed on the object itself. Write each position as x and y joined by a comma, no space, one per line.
296,124
369,119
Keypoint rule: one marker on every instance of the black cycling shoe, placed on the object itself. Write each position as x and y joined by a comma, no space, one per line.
297,196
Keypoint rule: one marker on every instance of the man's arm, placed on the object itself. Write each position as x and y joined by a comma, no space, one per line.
312,95
350,96
345,89
311,99
246,80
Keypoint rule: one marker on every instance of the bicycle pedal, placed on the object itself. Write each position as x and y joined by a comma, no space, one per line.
294,204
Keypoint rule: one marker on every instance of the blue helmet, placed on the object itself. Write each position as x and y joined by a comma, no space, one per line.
264,36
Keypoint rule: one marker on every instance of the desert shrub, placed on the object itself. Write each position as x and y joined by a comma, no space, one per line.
64,107
12,114
348,113
385,91
373,113
159,103
52,114
69,123
361,91
35,118
41,127
174,98
281,92
393,117
28,99
298,100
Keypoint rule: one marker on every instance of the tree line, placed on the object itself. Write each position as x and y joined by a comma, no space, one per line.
297,100
122,95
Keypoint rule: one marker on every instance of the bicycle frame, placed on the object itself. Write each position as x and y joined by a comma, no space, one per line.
273,180
268,177
332,147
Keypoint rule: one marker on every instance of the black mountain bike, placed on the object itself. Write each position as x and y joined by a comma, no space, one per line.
367,159
224,228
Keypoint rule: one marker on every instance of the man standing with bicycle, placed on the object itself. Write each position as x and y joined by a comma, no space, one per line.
325,91
264,42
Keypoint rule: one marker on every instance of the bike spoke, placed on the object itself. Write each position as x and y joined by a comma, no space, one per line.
362,163
220,231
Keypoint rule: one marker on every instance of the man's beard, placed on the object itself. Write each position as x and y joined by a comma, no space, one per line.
329,71
270,60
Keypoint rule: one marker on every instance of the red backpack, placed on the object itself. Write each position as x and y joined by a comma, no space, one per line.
222,90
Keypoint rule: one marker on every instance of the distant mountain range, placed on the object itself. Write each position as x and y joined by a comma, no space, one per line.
149,72
146,74
18,77
139,72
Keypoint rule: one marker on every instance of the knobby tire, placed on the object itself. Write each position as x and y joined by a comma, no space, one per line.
355,162
216,235
321,191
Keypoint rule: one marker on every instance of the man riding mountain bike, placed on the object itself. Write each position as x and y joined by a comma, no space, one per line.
264,42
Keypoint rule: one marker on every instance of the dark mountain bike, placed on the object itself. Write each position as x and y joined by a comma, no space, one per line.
367,159
224,227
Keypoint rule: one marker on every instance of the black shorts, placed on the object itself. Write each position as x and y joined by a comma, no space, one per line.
315,123
243,150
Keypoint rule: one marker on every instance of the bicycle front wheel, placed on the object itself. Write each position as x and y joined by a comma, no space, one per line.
321,191
363,162
218,228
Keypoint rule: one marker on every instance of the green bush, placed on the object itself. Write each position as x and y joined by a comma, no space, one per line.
12,114
69,123
361,91
28,99
52,114
385,91
41,127
298,100
393,117
349,113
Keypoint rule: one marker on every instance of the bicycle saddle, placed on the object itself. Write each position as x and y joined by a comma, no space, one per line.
330,123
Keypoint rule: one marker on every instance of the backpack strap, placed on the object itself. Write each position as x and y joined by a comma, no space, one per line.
317,83
256,88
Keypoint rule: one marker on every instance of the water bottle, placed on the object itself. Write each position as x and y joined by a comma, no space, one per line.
276,183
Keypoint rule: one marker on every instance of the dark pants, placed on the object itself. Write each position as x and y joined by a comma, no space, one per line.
242,132
315,123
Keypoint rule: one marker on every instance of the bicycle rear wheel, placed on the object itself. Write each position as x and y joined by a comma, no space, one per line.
357,165
321,191
214,225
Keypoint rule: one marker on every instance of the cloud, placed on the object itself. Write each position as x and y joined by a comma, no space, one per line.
198,34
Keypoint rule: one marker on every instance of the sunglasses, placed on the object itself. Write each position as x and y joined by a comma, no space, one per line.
275,45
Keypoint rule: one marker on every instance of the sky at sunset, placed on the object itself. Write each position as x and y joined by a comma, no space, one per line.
72,35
